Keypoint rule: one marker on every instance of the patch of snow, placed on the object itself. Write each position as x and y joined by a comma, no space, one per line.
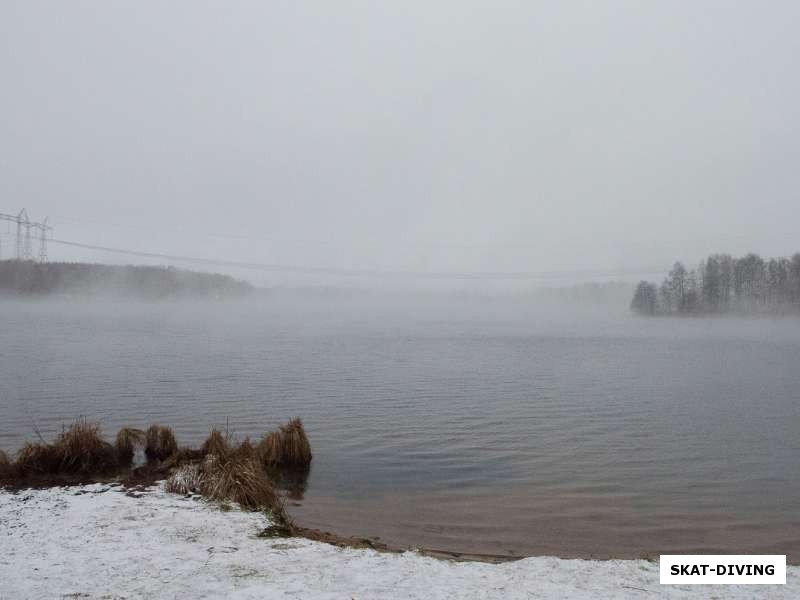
95,541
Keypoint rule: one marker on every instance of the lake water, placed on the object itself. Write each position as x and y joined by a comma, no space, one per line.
477,426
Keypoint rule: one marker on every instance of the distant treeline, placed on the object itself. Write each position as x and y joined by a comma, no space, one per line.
25,278
723,284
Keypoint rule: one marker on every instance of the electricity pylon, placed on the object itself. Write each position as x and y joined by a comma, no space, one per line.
24,241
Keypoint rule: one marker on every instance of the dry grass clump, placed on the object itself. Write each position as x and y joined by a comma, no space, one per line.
160,443
239,480
128,440
37,458
269,449
185,480
186,455
222,446
246,450
6,468
216,444
288,447
219,469
82,449
226,473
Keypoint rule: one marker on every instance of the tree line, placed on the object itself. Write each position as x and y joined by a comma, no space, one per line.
28,278
724,284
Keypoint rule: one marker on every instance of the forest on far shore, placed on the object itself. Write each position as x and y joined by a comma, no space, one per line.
724,284
28,278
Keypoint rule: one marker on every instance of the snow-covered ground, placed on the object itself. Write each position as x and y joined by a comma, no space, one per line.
95,541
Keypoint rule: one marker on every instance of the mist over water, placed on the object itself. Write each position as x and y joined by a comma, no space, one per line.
391,210
499,425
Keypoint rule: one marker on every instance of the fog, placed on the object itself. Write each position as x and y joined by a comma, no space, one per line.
454,145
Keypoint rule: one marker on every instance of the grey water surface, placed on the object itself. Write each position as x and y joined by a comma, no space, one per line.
488,426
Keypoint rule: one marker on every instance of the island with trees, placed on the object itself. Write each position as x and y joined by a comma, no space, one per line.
722,284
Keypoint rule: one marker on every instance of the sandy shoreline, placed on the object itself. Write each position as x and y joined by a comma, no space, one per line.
94,541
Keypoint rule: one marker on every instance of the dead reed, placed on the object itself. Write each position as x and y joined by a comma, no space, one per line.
37,458
79,450
83,450
185,455
219,469
184,480
128,440
246,450
239,480
286,448
160,443
230,473
217,444
6,468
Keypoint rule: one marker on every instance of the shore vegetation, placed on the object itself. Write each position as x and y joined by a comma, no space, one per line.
220,469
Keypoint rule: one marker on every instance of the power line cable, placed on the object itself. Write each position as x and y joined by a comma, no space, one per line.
360,272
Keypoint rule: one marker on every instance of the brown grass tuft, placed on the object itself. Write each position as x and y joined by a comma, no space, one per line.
6,468
37,458
187,455
83,450
219,470
160,443
245,450
80,449
239,480
286,448
269,449
216,444
128,440
184,480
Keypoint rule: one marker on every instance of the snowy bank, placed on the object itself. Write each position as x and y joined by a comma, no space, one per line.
95,541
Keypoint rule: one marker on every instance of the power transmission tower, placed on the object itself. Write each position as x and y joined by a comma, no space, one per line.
24,248
22,219
43,241
28,253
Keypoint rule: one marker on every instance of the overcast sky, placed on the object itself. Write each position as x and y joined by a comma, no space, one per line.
405,136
